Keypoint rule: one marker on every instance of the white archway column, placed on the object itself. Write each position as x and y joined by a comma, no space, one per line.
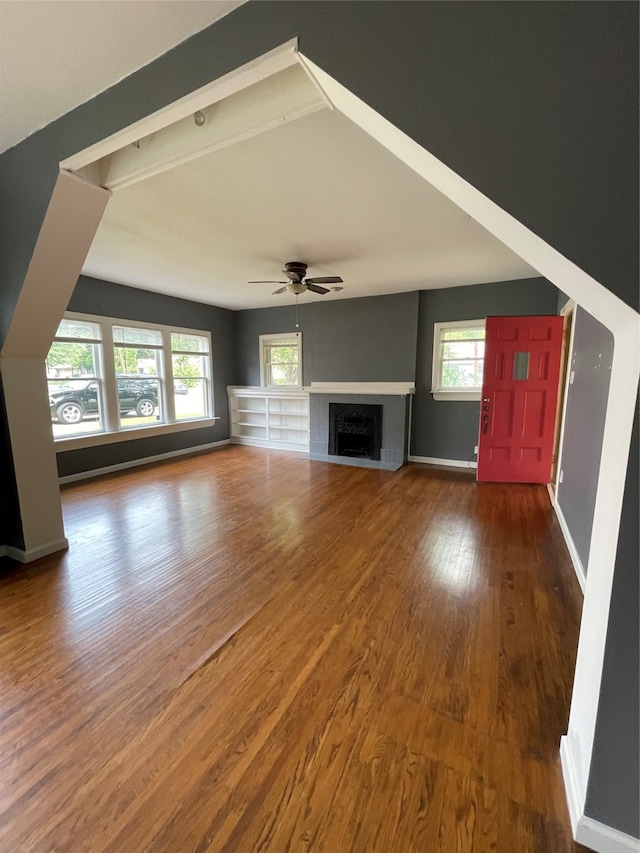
69,226
623,322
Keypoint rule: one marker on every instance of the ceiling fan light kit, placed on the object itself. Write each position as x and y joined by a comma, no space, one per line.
298,283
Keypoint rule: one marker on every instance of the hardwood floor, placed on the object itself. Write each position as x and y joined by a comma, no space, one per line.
249,651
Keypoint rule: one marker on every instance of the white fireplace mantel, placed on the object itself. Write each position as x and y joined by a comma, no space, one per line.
401,389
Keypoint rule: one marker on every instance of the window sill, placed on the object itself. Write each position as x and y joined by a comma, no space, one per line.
96,439
471,396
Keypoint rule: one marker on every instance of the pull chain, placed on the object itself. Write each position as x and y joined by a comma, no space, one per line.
297,324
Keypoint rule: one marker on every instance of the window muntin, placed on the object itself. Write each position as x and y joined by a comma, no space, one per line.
458,359
281,360
114,377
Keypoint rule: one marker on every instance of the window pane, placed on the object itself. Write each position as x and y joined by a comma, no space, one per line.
187,366
131,335
71,360
463,349
190,398
282,374
521,365
75,407
78,329
462,374
282,353
138,400
189,343
133,361
463,334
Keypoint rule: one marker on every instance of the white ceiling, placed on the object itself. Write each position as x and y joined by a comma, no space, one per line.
57,54
317,190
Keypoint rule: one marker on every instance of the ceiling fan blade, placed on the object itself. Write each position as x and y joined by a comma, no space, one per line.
281,289
315,288
294,276
324,279
267,282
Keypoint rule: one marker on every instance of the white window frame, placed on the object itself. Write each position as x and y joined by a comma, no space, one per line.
285,336
438,392
112,432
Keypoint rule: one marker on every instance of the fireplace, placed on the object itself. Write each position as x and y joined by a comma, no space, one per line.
355,430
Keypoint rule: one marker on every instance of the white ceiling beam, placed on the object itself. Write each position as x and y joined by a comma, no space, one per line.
260,68
279,99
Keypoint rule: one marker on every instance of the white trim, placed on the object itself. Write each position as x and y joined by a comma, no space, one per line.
586,830
438,392
235,81
266,105
400,389
453,396
134,463
571,547
608,309
448,463
97,439
570,784
600,302
285,336
258,391
31,554
568,308
604,839
269,444
105,373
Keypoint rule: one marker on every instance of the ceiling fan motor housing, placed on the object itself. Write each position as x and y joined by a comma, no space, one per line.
298,269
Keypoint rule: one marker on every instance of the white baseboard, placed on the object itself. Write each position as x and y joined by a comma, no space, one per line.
449,463
598,836
31,554
575,799
270,445
571,548
134,463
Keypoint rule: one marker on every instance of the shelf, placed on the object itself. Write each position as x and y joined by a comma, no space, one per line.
270,417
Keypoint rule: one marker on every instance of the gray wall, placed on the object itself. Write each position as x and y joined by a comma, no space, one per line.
613,793
535,104
586,409
92,296
449,430
344,340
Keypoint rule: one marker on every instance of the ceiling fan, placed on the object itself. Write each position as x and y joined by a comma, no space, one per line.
296,273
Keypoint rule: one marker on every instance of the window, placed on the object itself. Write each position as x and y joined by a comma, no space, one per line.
281,360
74,378
458,360
107,377
190,359
137,356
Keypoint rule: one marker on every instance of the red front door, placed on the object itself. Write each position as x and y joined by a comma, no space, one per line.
519,399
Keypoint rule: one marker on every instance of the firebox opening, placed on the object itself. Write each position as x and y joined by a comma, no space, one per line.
355,429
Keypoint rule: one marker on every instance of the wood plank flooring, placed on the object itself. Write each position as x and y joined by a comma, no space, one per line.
249,651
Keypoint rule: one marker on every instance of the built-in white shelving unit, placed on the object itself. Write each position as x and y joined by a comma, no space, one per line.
269,417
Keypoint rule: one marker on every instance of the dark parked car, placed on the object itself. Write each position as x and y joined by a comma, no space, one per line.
70,403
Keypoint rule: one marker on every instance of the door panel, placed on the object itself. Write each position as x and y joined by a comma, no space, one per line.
519,399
